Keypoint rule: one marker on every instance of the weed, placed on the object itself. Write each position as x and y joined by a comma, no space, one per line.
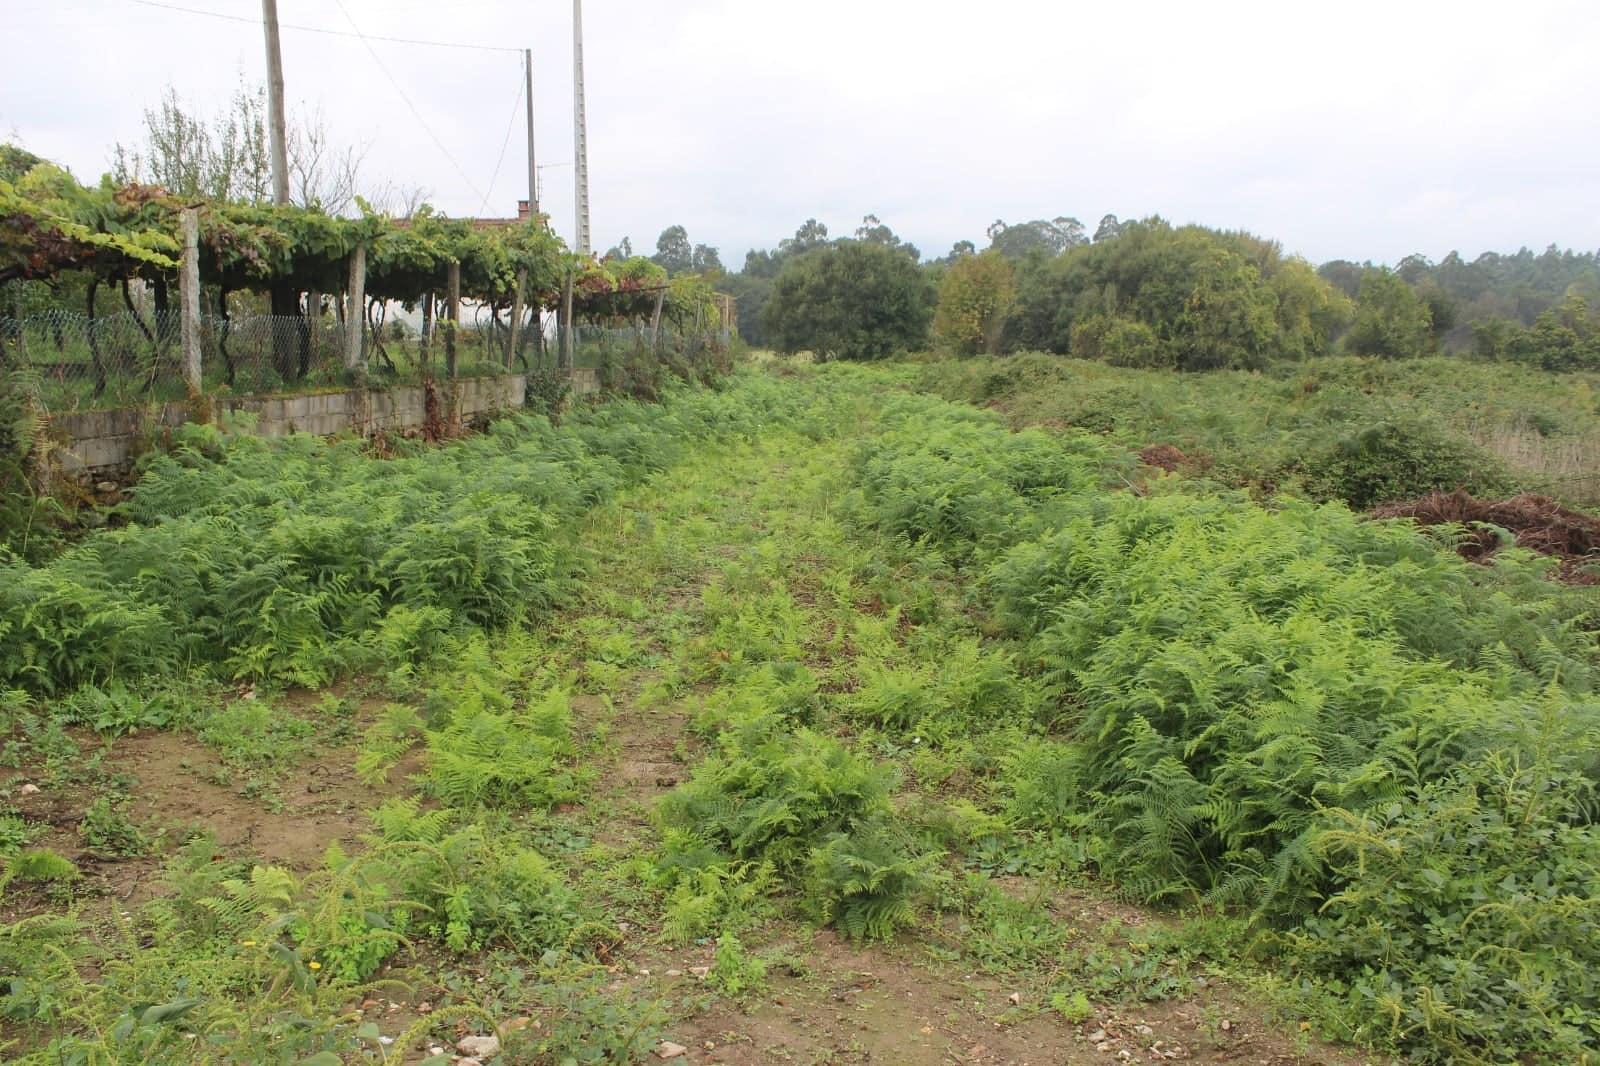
734,972
1073,1006
107,828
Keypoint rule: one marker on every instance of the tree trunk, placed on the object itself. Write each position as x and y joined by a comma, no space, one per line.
425,345
313,317
138,319
285,338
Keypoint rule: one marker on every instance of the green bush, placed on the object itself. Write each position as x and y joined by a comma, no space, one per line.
849,300
809,807
1391,320
1396,460
1466,916
1121,341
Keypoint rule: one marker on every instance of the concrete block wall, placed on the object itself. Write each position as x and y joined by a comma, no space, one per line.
103,442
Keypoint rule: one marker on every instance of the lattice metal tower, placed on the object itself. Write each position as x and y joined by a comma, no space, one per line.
580,132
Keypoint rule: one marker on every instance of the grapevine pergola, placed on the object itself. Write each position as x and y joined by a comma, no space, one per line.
51,224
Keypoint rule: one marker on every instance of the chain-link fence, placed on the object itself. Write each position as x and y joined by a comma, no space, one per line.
270,353
105,361
118,360
596,346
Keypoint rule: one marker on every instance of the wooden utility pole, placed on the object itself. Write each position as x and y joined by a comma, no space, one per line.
275,122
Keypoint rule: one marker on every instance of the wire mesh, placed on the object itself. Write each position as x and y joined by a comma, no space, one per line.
105,361
125,359
270,353
597,346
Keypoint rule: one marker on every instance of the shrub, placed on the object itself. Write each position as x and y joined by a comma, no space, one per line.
810,808
469,889
1466,916
1121,341
864,881
850,300
1396,460
1391,321
975,296
300,559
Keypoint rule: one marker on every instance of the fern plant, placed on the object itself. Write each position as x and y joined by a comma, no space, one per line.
866,881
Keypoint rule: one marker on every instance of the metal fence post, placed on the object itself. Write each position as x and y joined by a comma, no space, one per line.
189,284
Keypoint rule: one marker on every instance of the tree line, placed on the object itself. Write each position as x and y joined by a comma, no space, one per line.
1146,293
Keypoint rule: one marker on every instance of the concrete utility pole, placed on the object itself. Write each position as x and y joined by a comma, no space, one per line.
285,301
580,132
189,287
533,171
280,148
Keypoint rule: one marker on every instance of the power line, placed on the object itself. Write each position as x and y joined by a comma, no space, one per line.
324,30
402,93
515,106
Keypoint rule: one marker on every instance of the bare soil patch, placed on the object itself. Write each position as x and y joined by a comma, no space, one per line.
1537,523
888,1004
1164,456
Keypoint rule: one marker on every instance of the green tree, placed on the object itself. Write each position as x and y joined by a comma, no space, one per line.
1211,299
752,286
1391,321
850,300
959,250
674,253
1109,227
1046,236
1310,312
705,260
811,234
1566,337
1443,310
975,296
1344,275
873,231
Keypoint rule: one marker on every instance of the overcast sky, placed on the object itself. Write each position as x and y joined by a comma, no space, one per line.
1352,130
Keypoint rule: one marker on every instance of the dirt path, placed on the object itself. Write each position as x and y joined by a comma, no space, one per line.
825,999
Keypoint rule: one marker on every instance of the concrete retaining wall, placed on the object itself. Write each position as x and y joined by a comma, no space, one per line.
103,442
